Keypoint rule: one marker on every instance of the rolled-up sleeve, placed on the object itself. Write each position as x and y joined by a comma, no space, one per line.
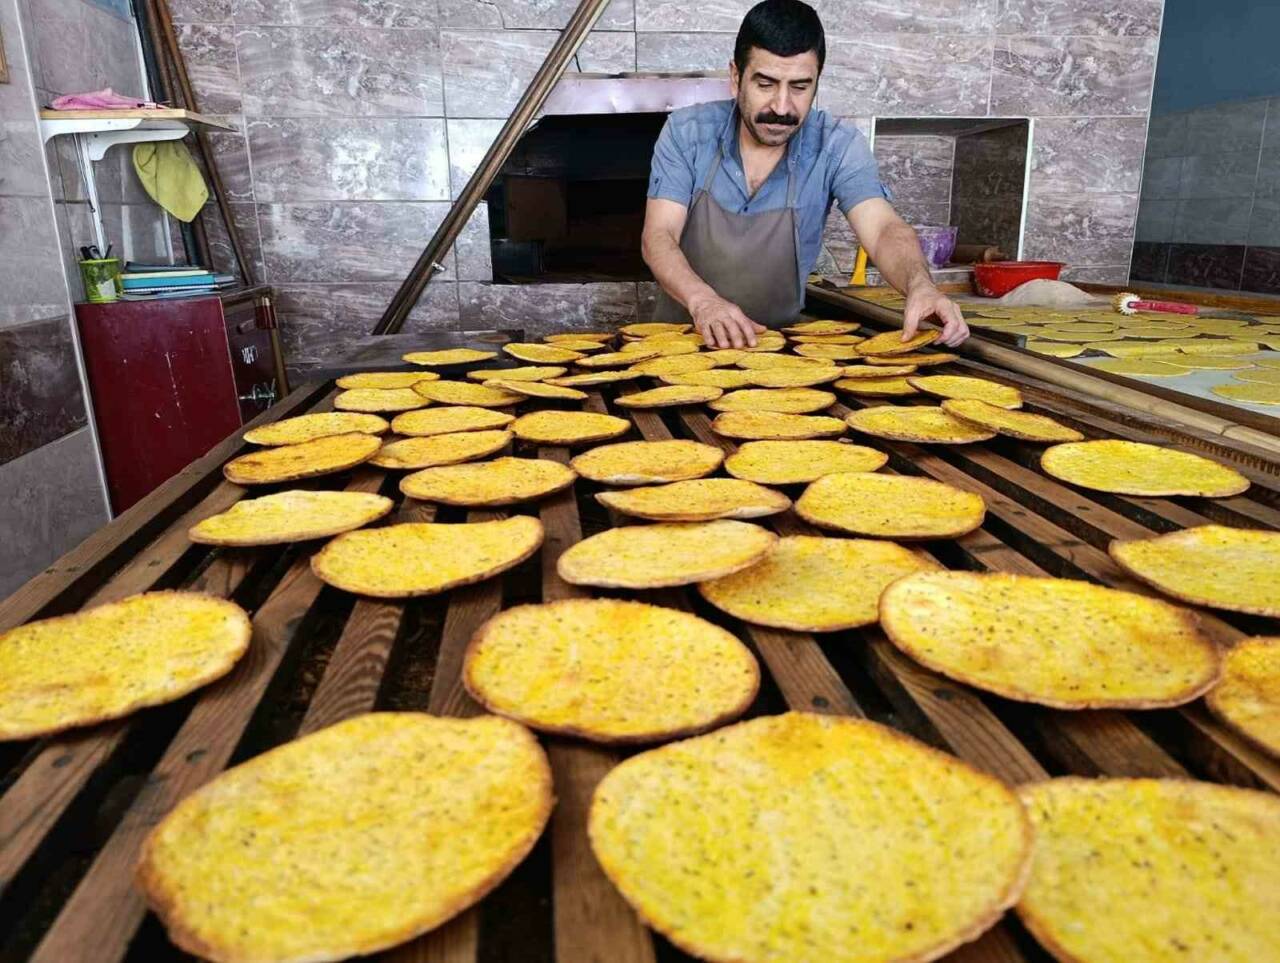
671,172
857,178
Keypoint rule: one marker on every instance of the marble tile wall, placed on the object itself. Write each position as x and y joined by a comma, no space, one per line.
917,170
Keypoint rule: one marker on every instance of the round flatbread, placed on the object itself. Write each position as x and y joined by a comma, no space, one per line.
524,373
614,359
769,362
810,584
464,393
683,364
920,359
822,328
610,670
765,344
449,356
1237,569
446,421
831,352
645,329
379,399
1053,334
665,554
594,378
1206,362
308,459
293,431
739,845
648,462
772,424
979,389
580,345
503,481
1141,367
800,462
892,343
424,558
1248,697
385,379
795,401
1161,350
879,371
568,427
1055,349
890,506
722,378
1262,360
600,337
876,387
1266,376
921,424
373,830
1014,424
1212,346
292,516
111,660
414,453
541,353
793,377
1053,641
669,396
1134,468
1203,857
1253,392
538,389
826,339
697,500
725,356
662,348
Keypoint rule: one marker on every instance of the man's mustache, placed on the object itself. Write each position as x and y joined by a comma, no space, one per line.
769,117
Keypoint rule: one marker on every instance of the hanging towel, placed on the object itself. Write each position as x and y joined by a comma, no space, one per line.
171,177
104,99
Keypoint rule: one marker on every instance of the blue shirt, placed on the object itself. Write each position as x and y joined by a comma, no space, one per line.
830,159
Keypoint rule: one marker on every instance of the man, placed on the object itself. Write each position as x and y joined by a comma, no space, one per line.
739,193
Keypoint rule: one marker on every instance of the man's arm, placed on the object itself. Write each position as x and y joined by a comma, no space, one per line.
894,248
720,322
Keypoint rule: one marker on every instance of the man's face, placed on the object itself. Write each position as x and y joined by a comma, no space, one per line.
775,94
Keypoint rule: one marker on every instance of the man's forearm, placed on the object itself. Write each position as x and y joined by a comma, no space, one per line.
672,271
897,255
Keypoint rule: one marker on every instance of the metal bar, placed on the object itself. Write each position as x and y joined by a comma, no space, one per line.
575,32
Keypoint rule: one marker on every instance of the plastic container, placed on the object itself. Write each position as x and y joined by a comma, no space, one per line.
938,241
101,279
998,278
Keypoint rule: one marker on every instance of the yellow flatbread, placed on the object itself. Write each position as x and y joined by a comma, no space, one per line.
291,516
105,662
648,462
1225,568
800,462
594,378
879,371
1262,361
1055,349
293,431
979,389
424,558
891,343
1266,376
1157,332
1203,858
660,348
1248,697
614,359
769,361
448,420
448,356
1211,346
1142,367
890,506
1254,393
371,831
385,379
876,387
725,356
1072,337
920,359
796,401
810,584
426,452
681,364
541,353
826,339
664,554
723,378
1054,641
580,345
697,500
793,377
1015,424
610,670
568,427
646,328
1084,327
822,328
755,425
1134,468
1160,350
832,352
600,337
464,393
1207,362
739,845
921,424
503,481
308,459
523,373
669,396
765,344
379,399
538,389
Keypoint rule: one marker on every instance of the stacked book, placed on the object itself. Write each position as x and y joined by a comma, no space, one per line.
144,282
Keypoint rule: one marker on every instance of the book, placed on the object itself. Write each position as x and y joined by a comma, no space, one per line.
201,280
145,268
192,272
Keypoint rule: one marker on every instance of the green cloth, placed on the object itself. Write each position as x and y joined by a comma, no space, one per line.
170,176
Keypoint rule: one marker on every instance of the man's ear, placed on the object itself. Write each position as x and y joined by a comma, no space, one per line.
734,78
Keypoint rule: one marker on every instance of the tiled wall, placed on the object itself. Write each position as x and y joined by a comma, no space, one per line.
362,119
1210,210
50,490
986,195
917,169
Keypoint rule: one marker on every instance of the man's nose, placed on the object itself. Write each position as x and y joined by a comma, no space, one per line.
782,103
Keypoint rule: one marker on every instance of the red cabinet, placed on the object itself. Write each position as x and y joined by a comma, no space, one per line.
170,379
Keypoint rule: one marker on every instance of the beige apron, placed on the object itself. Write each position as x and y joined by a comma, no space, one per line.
749,259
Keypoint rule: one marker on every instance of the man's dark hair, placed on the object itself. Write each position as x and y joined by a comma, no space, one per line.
785,28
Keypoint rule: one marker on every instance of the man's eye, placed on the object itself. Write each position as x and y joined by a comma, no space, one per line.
765,85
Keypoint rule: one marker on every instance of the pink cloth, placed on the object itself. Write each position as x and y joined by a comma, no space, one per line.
105,99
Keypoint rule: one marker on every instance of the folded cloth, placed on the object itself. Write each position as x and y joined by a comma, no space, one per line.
169,174
105,99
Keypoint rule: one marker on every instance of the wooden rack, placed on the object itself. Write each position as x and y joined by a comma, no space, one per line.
74,808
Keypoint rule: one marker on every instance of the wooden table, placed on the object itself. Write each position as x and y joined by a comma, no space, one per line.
74,808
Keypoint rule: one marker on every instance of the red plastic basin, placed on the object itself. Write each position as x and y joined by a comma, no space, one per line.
997,278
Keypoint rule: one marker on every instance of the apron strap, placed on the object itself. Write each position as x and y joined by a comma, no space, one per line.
714,169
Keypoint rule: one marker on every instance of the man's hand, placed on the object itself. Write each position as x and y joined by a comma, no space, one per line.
925,301
722,323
